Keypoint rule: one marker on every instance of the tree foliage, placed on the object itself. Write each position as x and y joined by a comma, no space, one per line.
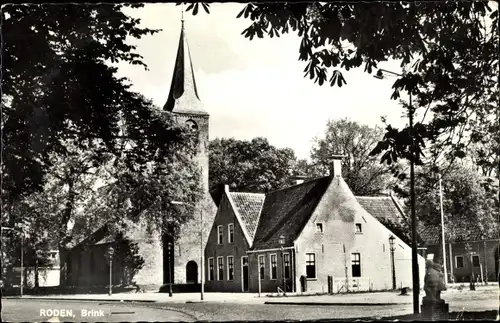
249,166
364,175
448,53
469,207
59,85
70,126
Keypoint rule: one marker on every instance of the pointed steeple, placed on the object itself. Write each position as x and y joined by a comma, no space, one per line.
183,96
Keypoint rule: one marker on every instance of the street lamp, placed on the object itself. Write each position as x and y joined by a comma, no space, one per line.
109,254
414,258
22,259
169,246
393,267
282,242
202,268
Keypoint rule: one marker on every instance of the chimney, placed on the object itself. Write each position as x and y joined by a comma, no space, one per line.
298,179
336,165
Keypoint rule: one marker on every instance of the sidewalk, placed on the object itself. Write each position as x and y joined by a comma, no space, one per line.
485,293
381,298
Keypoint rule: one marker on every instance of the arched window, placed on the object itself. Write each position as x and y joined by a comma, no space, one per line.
192,272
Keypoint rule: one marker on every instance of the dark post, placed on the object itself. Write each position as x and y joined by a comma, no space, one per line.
169,245
110,253
393,267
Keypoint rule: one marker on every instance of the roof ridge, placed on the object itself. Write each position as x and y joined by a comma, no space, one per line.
249,193
296,185
373,197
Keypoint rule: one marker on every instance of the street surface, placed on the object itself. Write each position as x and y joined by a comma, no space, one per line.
237,306
30,310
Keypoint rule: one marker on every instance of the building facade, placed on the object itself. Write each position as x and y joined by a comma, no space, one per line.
314,237
476,257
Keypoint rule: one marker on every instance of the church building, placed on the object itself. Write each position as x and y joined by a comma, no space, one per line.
87,264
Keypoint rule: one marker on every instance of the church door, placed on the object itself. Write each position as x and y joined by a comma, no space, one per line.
192,272
245,274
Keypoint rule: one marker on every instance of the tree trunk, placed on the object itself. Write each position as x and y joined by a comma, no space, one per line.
37,279
62,266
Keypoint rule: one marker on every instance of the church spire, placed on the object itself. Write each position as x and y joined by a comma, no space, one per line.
183,96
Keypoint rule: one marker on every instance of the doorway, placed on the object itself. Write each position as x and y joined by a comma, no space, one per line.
244,273
191,272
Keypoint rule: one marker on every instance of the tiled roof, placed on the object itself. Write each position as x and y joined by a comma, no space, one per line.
388,212
381,207
286,211
248,206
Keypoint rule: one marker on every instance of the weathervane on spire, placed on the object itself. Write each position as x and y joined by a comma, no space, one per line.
182,14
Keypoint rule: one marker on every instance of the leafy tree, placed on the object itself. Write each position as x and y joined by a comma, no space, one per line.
127,254
69,122
448,53
364,175
249,166
467,206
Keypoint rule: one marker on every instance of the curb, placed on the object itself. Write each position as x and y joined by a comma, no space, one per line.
81,299
332,304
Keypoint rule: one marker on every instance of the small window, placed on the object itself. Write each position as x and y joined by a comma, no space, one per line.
274,266
262,265
459,262
358,228
230,233
220,271
475,261
319,227
286,260
230,268
210,268
219,234
356,264
310,265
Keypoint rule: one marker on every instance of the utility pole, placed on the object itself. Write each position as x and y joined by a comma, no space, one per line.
414,255
442,231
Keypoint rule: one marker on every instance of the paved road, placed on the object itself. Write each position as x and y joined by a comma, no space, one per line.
15,310
258,312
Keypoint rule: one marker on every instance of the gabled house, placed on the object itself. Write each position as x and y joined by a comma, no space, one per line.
307,234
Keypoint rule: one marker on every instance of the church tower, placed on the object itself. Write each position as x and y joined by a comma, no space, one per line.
184,102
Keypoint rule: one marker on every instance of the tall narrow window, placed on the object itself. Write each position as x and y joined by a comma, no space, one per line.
319,227
220,271
230,233
230,268
219,234
262,265
358,228
274,266
356,264
286,260
210,268
459,262
310,265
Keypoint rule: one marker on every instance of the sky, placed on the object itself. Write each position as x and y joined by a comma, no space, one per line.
253,88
